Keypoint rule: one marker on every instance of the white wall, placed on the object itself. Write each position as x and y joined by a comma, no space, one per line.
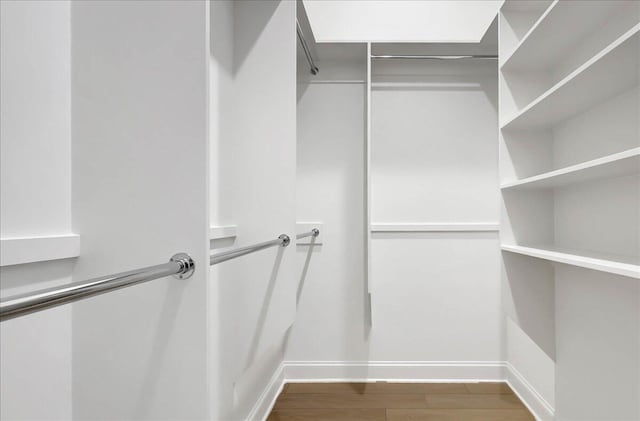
427,306
435,296
253,150
400,20
35,200
140,194
598,345
331,319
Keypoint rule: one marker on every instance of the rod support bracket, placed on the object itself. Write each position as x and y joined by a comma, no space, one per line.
285,239
315,232
187,264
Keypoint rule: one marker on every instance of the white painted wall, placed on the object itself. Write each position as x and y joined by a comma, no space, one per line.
254,152
331,319
140,194
434,160
400,20
427,306
35,119
35,200
598,346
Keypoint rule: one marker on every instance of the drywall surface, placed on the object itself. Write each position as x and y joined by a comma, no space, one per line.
400,21
253,186
436,296
35,174
140,171
331,320
434,160
598,337
35,120
433,155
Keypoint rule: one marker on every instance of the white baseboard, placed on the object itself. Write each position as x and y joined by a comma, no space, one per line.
538,406
267,399
399,371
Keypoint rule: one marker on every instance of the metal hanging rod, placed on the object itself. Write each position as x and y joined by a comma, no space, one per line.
313,233
180,265
423,57
282,240
313,68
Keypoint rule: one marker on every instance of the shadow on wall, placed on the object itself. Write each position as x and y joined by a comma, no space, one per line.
245,389
529,298
246,35
262,316
17,279
163,334
305,269
246,296
332,323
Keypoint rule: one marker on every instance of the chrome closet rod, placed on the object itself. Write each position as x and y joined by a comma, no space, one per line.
180,265
435,57
282,240
313,68
313,233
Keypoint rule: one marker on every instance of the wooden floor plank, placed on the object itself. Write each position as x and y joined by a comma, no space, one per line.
328,414
485,388
436,388
459,415
474,401
350,400
381,401
359,388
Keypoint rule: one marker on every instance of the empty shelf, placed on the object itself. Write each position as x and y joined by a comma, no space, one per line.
616,165
548,39
610,72
619,265
436,227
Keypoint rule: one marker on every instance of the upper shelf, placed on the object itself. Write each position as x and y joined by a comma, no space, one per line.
612,71
20,250
548,39
436,227
616,165
619,265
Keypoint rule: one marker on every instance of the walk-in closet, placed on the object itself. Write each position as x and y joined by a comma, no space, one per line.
291,210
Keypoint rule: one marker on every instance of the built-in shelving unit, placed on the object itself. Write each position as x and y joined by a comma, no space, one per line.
615,165
569,106
570,155
610,72
619,265
517,19
548,39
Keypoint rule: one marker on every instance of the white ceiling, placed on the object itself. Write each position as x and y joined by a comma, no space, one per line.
400,20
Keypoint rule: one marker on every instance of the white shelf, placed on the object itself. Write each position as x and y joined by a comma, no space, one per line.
618,265
306,226
610,72
525,6
549,38
20,250
439,227
616,165
218,232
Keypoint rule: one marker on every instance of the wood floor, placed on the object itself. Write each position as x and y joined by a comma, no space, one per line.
398,402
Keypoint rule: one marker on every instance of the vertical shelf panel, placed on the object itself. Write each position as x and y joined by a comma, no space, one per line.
367,166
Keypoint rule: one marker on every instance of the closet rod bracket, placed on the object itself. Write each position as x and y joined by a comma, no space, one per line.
285,239
187,264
